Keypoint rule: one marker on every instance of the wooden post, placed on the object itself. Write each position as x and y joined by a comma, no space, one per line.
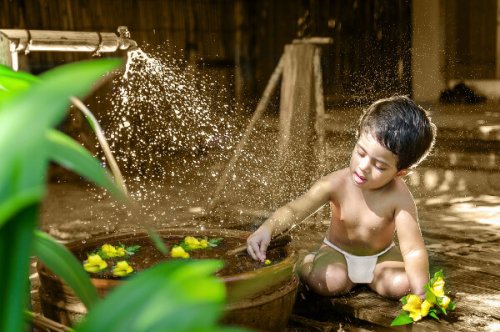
301,117
297,115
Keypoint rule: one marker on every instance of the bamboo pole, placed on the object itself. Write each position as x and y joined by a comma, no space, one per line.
261,107
102,141
44,323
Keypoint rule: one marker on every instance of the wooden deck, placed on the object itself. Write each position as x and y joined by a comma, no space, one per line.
462,236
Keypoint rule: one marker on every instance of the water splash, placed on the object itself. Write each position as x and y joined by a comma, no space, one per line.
167,124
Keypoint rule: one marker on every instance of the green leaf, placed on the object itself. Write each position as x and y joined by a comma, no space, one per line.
15,251
452,305
45,103
402,319
433,314
429,295
214,242
16,202
68,153
172,296
12,82
404,299
132,250
443,310
62,262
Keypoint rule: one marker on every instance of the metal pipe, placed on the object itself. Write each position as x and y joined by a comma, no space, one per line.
68,41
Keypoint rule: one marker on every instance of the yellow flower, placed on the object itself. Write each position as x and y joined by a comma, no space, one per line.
122,269
192,242
424,309
94,264
178,252
445,301
416,307
204,244
267,262
108,250
438,287
120,252
413,306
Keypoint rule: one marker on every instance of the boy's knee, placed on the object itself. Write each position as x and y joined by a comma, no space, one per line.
400,285
394,285
328,282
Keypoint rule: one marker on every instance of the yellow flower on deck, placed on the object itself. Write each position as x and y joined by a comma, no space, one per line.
94,264
122,269
438,287
445,301
204,244
425,307
178,252
416,307
267,262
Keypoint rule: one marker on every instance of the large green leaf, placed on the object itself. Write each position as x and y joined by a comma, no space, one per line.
25,118
68,153
10,206
15,250
12,81
62,262
44,104
172,296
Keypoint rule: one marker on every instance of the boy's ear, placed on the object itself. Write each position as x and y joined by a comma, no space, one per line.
403,172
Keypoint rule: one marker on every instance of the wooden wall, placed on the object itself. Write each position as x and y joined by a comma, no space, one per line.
370,56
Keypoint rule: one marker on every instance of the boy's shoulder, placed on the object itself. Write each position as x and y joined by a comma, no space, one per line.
337,179
401,194
338,176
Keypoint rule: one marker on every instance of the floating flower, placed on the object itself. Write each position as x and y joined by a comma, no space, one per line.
192,243
122,269
267,262
94,264
204,244
178,252
109,251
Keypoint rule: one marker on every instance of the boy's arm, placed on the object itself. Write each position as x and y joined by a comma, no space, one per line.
412,246
287,216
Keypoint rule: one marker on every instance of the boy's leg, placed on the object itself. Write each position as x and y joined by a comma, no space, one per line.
389,277
325,272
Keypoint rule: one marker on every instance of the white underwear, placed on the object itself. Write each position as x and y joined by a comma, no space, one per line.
359,268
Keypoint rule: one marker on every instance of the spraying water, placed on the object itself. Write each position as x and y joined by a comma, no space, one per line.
172,131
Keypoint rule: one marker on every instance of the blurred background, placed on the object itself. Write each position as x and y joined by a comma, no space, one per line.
445,54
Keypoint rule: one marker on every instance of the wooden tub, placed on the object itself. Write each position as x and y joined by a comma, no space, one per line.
261,298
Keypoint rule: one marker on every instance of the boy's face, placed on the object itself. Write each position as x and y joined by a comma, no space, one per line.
372,165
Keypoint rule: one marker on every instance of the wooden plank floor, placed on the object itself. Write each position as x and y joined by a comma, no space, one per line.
463,238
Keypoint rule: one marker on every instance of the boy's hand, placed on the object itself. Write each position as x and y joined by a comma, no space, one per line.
257,244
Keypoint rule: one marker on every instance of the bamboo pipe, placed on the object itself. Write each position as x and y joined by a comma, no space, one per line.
22,40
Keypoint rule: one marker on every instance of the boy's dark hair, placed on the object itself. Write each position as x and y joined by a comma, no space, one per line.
402,127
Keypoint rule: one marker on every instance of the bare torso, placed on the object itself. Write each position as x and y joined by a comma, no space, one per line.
362,221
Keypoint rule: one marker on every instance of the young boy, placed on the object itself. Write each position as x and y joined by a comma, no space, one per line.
369,202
